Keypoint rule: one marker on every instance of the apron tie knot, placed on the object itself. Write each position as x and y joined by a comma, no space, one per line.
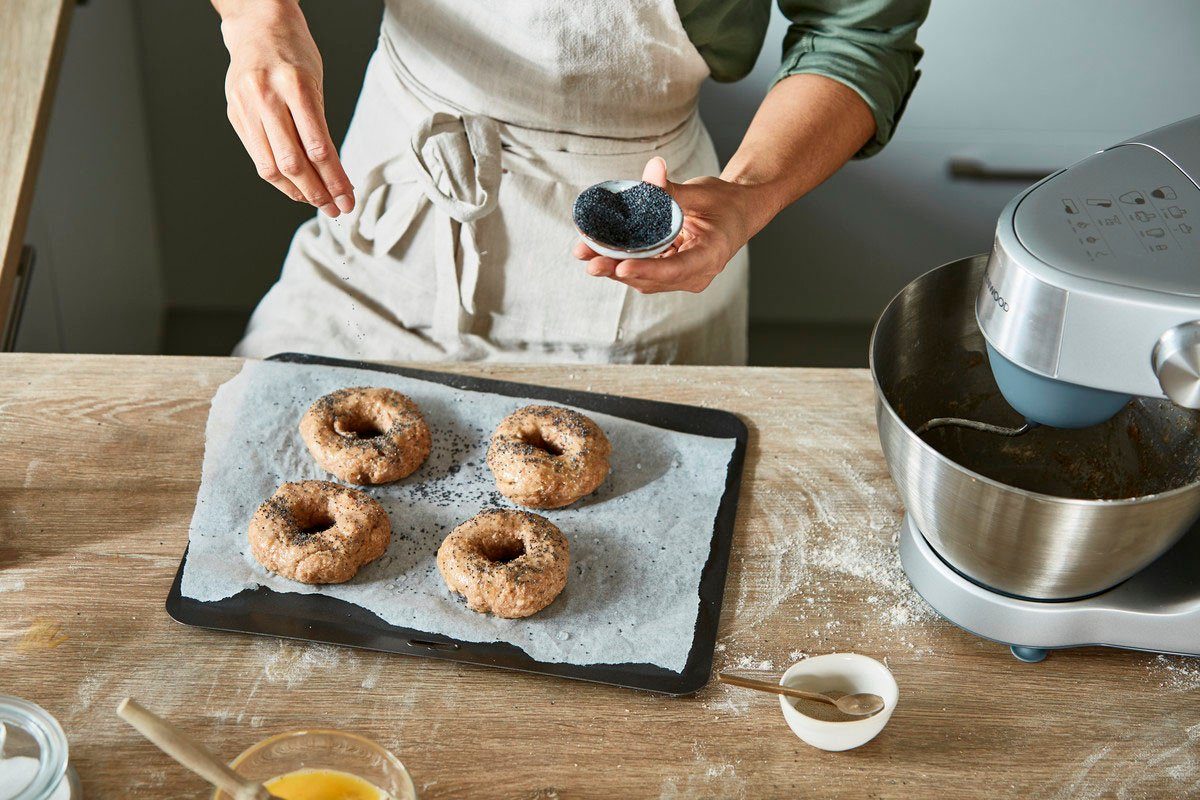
455,163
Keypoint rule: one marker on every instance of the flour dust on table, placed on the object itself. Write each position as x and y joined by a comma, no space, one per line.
638,544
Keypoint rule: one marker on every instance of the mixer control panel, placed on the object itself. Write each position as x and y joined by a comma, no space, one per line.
1127,216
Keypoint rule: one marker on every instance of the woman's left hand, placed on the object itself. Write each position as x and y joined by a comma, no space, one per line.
716,224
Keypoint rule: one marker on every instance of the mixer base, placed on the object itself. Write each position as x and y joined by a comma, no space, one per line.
1157,610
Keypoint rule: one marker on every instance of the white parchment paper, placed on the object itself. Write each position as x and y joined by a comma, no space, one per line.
638,545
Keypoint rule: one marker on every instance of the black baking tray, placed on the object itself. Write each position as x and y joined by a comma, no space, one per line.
318,618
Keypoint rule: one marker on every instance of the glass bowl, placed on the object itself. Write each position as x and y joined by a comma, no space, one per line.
324,749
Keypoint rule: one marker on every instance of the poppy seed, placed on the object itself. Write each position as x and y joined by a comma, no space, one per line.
637,217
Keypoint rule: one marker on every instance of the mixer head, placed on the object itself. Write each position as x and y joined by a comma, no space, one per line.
1092,290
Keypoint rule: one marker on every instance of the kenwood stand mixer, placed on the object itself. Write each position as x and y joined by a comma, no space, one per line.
1019,402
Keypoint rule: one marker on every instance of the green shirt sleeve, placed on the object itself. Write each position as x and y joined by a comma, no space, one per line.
868,45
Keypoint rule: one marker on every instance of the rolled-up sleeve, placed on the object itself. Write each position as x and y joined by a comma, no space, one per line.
868,45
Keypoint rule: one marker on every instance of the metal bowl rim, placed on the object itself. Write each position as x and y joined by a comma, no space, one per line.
881,398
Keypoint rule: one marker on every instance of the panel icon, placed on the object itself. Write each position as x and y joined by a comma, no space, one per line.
1163,193
1133,198
1069,206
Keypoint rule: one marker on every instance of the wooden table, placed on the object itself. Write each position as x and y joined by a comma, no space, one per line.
99,466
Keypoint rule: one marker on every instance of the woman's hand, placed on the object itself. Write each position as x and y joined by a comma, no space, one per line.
273,90
715,226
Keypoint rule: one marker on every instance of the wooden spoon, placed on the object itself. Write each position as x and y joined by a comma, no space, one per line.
862,704
193,755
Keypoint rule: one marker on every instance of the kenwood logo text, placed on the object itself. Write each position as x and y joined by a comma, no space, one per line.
997,298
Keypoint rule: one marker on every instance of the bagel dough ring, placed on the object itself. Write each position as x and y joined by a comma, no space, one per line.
318,532
509,562
366,436
547,456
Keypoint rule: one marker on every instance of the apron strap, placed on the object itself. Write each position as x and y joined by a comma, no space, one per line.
455,162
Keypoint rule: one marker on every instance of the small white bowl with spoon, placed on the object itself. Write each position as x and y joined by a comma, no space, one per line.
833,702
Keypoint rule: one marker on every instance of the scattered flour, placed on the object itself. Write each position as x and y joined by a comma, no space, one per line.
11,584
1080,779
856,536
85,695
872,555
1177,673
729,702
1167,765
720,770
787,524
751,662
708,777
371,679
292,664
828,528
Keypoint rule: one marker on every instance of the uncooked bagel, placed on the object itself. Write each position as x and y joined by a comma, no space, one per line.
548,457
504,561
318,532
366,435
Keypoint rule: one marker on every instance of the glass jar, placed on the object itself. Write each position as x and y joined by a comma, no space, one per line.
33,754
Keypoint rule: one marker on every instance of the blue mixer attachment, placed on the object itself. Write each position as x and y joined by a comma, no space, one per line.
1052,402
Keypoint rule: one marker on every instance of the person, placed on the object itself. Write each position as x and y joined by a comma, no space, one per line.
444,229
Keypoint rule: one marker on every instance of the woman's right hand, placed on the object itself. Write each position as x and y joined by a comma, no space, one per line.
275,103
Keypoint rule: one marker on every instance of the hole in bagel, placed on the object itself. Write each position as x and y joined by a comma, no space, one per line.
310,522
358,427
502,551
535,438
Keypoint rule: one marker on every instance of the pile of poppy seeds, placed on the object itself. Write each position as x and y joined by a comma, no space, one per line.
637,217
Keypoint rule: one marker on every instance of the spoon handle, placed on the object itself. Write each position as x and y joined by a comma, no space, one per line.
188,752
773,688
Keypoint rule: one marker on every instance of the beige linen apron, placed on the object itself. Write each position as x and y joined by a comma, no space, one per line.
478,124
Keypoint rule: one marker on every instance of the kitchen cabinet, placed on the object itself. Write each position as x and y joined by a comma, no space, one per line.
97,282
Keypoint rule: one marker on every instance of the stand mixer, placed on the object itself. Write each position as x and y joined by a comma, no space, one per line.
1052,493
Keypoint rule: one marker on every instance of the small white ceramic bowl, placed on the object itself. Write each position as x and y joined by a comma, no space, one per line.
642,252
843,672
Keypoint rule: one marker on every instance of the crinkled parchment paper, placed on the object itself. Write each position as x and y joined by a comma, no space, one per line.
638,545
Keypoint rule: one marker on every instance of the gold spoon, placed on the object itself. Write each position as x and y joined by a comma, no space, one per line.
193,755
862,704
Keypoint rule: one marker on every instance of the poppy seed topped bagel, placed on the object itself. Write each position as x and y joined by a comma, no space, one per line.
548,456
504,561
366,435
318,532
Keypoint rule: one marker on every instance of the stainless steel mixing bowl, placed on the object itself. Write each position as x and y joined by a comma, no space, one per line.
1053,514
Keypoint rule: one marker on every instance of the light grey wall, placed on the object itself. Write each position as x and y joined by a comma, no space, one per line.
1015,84
224,232
97,285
